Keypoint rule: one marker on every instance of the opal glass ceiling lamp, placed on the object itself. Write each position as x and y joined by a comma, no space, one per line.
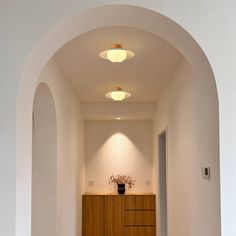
118,94
116,53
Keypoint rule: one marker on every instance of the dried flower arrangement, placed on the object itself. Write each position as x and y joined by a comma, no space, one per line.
122,179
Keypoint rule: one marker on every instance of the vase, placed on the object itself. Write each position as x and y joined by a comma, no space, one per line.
121,188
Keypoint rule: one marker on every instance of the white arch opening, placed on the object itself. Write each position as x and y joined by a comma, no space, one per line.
85,21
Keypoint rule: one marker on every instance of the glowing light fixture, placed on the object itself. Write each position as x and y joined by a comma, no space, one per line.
118,94
116,53
118,118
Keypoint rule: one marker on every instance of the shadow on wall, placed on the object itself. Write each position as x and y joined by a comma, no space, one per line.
44,164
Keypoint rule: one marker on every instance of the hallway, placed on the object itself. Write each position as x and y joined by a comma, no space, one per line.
98,137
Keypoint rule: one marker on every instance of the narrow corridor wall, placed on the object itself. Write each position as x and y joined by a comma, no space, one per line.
70,151
189,115
118,147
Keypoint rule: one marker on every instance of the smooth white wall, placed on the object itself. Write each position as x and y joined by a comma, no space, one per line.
22,26
118,147
44,164
188,114
70,151
111,110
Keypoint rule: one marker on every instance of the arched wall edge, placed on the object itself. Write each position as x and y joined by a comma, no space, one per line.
44,83
40,83
86,20
44,92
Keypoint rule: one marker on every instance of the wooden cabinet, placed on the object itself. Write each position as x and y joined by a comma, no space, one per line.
93,216
140,202
140,231
140,218
119,215
140,215
114,215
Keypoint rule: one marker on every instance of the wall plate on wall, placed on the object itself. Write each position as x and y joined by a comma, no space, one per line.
91,182
206,173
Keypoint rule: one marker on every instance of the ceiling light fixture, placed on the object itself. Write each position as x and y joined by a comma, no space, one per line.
118,94
116,53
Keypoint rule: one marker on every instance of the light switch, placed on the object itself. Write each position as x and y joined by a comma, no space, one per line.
91,182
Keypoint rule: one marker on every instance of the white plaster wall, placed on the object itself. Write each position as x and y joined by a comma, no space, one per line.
24,22
124,110
191,121
118,147
44,164
70,151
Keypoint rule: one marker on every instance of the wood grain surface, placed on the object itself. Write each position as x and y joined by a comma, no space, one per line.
140,217
140,231
139,202
114,215
118,215
93,216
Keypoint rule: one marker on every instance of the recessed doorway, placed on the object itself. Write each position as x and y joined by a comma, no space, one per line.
162,153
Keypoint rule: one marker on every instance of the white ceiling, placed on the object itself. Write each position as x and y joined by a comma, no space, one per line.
144,76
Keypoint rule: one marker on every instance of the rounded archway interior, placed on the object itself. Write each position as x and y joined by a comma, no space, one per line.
44,163
84,21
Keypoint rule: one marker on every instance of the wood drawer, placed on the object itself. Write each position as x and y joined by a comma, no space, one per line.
140,202
140,231
140,217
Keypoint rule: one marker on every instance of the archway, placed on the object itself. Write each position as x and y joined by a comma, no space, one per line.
44,163
87,20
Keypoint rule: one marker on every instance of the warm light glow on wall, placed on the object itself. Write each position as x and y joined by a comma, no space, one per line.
121,148
117,147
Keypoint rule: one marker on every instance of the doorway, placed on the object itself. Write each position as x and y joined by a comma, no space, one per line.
162,153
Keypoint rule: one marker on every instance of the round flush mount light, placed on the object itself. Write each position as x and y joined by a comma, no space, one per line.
116,53
118,94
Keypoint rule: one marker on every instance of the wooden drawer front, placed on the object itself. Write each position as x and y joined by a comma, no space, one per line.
140,218
93,217
140,202
140,231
